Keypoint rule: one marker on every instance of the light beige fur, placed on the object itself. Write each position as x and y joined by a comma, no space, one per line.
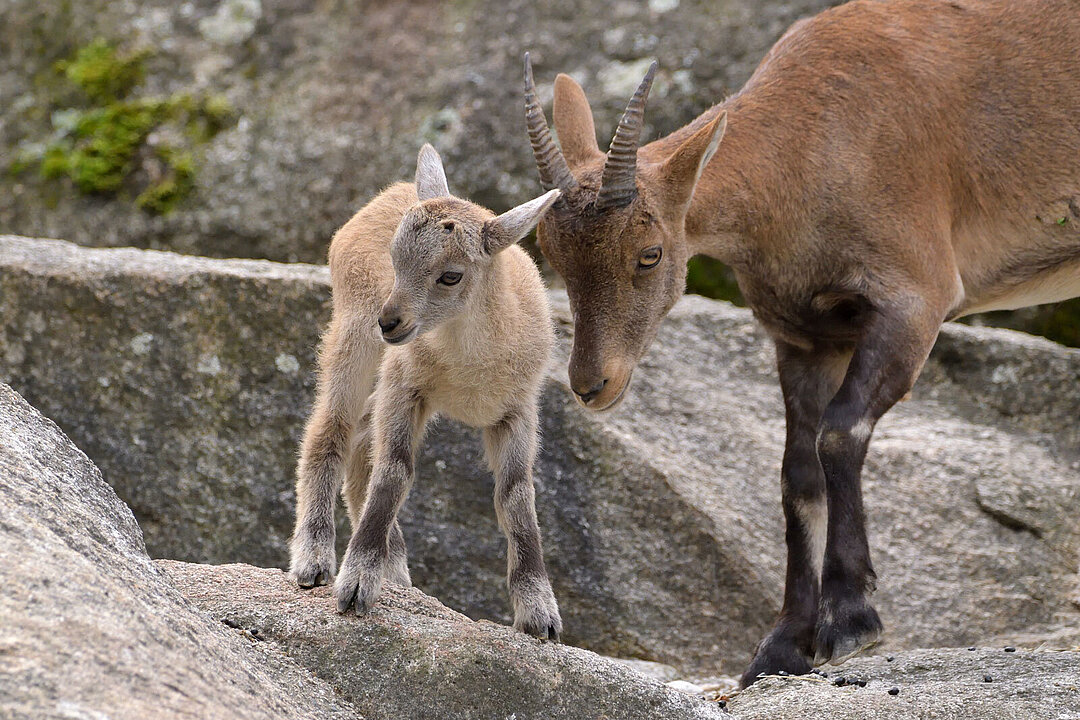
476,351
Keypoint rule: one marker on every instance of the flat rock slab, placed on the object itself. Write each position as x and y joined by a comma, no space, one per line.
932,684
414,658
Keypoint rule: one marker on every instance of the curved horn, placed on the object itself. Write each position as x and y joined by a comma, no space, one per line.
617,185
554,172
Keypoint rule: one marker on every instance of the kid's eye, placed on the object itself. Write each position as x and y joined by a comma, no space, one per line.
650,257
449,278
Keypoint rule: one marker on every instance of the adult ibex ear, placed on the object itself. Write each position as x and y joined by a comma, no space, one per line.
682,170
503,231
430,176
574,122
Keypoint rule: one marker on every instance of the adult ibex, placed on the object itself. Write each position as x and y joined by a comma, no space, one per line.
466,333
889,166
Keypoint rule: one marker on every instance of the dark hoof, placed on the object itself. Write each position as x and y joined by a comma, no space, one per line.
845,629
775,655
312,579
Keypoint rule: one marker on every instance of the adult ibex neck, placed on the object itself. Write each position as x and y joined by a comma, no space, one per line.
748,186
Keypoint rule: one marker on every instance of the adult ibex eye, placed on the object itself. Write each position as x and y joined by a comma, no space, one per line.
450,278
650,257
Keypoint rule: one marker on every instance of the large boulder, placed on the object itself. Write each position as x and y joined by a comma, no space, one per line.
89,628
319,105
661,520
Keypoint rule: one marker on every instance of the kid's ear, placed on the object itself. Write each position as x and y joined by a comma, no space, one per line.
430,176
683,169
503,231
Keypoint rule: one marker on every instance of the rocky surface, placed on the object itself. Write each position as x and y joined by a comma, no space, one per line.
662,521
981,684
328,102
89,628
414,658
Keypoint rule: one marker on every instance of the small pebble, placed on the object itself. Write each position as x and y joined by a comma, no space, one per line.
840,681
988,678
783,673
819,673
231,623
889,659
971,649
1010,649
894,691
860,683
255,632
722,703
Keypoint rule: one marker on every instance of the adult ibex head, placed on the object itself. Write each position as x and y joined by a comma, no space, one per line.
617,234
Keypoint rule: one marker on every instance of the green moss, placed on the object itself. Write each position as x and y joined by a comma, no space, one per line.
711,278
103,74
99,146
163,196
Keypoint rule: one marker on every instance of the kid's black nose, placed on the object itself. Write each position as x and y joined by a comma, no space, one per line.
388,325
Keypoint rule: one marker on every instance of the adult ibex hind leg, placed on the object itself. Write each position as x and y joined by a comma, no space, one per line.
347,369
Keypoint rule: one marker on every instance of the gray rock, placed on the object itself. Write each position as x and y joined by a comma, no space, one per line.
414,658
332,103
933,684
89,628
662,522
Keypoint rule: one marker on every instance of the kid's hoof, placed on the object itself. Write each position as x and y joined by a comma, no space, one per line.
538,615
358,589
845,629
775,656
312,577
311,566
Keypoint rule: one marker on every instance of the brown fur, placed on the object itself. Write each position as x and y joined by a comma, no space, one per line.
889,165
476,352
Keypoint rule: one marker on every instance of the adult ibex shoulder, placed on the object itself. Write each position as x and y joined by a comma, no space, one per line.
888,166
468,334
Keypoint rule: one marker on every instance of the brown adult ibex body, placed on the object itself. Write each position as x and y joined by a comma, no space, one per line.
889,166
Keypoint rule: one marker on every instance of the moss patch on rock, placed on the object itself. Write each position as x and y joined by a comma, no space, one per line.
113,144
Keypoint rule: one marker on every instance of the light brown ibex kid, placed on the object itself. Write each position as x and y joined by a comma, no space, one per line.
889,166
465,315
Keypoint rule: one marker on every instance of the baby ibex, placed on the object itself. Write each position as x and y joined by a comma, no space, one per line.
889,166
464,313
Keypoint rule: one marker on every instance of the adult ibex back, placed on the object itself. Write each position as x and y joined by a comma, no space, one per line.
889,166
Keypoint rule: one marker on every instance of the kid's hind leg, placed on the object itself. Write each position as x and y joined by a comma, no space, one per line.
347,369
511,451
357,477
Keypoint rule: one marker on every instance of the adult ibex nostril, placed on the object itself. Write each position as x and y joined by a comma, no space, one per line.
592,392
388,325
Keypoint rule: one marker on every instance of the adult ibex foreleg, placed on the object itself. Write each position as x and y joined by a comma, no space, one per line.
888,357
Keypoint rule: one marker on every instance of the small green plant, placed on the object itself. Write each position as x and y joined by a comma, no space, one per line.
99,146
102,73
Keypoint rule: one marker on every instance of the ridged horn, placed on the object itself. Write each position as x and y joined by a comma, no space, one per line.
617,185
554,172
